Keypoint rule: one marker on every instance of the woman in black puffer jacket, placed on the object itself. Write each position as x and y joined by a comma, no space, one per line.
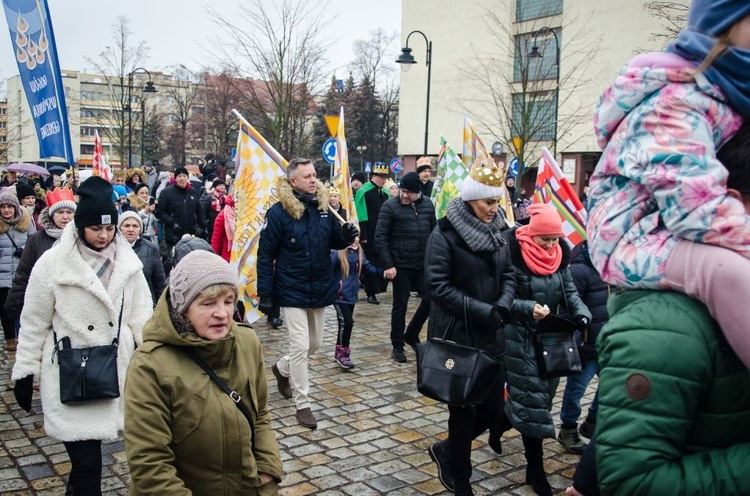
131,226
469,272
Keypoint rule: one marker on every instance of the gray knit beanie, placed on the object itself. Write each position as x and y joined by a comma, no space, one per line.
196,272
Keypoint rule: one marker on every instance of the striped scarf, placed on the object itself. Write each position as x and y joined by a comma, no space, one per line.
102,261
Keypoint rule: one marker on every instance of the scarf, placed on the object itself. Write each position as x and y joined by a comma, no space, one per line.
479,235
539,261
217,201
229,223
102,261
729,71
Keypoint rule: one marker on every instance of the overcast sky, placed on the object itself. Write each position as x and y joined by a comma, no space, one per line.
177,31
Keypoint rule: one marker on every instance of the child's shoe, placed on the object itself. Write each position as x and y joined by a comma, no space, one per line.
342,357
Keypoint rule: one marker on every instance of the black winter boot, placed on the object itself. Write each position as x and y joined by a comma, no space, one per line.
535,475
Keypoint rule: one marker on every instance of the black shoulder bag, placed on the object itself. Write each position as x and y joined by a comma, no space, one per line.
223,386
88,374
454,374
556,348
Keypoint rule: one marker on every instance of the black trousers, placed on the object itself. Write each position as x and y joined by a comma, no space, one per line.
374,284
86,468
407,280
9,329
345,317
467,423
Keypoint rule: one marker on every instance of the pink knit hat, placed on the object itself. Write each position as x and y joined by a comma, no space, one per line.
545,219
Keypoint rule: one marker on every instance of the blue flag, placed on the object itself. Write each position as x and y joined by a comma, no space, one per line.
36,54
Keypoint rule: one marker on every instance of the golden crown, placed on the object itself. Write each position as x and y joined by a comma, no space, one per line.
381,169
488,172
333,190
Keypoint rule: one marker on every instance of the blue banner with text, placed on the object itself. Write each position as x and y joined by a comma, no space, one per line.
36,54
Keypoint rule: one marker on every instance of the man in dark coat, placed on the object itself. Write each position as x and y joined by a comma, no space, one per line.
404,224
294,269
424,169
179,210
368,201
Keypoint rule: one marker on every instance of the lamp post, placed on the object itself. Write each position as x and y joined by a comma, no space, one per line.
406,59
149,88
535,53
360,149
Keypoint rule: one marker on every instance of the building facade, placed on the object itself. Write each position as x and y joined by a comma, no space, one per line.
513,66
3,132
110,105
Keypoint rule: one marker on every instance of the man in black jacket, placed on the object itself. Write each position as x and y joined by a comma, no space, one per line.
404,224
294,269
368,201
179,210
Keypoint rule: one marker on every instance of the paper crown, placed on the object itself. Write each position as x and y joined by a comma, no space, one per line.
333,190
69,172
488,173
58,195
381,169
424,161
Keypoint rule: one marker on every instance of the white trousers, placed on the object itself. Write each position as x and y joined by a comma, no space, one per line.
305,326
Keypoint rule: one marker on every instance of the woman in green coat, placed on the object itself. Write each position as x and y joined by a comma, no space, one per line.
544,286
183,434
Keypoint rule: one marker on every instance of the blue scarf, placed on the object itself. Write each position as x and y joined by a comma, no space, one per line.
729,71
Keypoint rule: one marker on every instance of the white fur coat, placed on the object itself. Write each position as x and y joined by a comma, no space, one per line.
65,294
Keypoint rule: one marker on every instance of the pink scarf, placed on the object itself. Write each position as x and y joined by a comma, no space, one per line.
229,220
539,261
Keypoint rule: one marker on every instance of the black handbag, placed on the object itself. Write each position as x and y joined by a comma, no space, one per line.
556,348
88,374
452,373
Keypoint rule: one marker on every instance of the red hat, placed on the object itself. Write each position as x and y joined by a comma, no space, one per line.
545,219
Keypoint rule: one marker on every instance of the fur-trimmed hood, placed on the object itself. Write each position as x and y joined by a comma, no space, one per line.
136,202
520,263
22,225
132,172
293,205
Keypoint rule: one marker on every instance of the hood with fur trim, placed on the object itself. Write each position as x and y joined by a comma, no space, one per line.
22,225
292,205
132,172
136,202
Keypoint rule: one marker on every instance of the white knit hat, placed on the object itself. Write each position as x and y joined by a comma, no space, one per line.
129,215
196,272
471,189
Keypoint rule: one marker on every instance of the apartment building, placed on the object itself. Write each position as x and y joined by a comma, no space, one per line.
109,105
512,66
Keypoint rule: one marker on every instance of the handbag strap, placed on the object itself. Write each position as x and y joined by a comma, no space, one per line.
234,395
15,246
565,296
467,323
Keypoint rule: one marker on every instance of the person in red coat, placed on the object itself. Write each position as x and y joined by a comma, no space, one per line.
223,233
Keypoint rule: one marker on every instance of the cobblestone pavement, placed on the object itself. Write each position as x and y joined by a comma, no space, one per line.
373,432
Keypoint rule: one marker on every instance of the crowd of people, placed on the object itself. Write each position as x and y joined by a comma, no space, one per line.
655,296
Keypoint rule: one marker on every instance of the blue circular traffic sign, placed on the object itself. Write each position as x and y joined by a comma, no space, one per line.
513,167
396,165
329,150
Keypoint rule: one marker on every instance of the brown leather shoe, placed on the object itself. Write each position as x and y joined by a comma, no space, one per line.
282,383
306,418
11,344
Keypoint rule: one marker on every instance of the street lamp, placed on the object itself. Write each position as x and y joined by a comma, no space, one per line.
360,149
149,88
535,53
406,59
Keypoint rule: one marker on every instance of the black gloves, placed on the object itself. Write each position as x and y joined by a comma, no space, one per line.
265,305
583,321
496,318
175,226
348,233
23,391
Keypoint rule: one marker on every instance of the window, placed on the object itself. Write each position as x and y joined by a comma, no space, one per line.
88,131
2,124
2,110
92,113
535,9
527,68
534,115
87,149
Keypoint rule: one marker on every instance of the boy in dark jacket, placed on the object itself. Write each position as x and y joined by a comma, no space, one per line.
594,293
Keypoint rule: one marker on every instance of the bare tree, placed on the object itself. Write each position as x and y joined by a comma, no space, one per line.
673,17
520,101
277,53
116,63
182,95
220,94
373,61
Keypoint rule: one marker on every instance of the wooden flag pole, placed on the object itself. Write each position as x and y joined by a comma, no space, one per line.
336,214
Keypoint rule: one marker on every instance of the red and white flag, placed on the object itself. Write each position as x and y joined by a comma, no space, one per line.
100,167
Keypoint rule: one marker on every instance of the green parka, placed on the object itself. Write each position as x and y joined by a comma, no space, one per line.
674,401
529,396
183,435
